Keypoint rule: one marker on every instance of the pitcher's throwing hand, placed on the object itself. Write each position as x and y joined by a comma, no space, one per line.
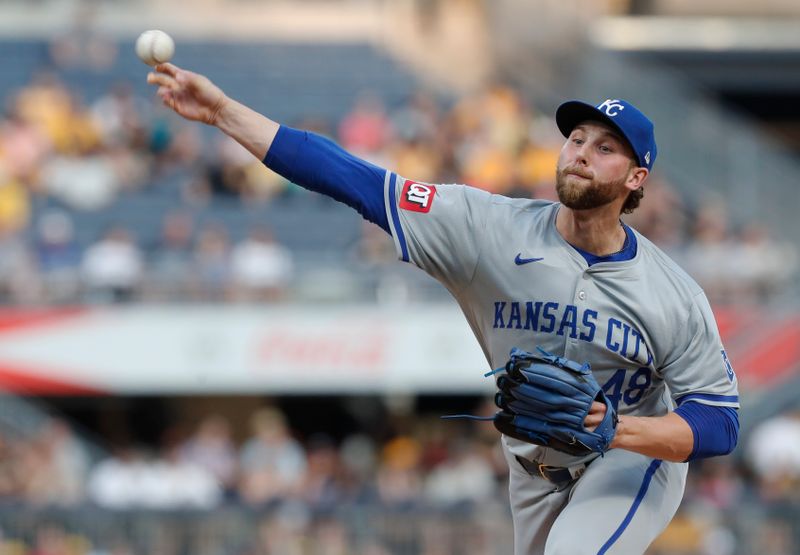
190,94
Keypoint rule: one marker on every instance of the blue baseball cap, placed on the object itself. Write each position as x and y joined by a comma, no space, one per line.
619,114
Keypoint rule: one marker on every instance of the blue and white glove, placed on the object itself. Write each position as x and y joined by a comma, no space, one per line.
544,399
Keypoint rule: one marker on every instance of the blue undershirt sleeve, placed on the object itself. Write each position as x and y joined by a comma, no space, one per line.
318,164
715,429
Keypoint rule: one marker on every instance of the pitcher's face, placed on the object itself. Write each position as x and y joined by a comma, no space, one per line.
594,167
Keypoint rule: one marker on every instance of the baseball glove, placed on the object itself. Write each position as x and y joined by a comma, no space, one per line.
545,399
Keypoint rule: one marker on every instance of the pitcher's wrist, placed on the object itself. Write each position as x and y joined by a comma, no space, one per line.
217,112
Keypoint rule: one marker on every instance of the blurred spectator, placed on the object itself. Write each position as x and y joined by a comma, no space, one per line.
80,44
34,459
19,281
773,452
536,164
684,536
709,256
374,260
82,182
210,270
46,105
367,128
14,202
272,464
121,116
322,488
465,476
237,173
114,482
170,263
375,249
418,159
67,462
225,174
418,119
233,173
661,217
171,481
51,540
491,128
58,258
358,459
719,484
211,448
764,266
23,147
774,537
184,151
10,469
489,168
112,267
260,184
505,118
399,480
261,269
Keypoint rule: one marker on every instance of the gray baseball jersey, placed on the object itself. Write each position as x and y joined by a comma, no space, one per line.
643,324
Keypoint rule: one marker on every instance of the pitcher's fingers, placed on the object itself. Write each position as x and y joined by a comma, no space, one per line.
590,423
169,69
168,101
161,80
164,94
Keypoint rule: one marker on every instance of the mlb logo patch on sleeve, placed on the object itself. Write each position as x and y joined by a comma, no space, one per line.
728,367
417,197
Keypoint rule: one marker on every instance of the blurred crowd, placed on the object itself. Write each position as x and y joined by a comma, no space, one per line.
307,491
206,467
296,492
66,165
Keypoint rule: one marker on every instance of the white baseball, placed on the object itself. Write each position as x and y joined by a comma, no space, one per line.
155,47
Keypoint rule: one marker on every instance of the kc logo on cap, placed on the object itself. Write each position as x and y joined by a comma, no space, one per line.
611,107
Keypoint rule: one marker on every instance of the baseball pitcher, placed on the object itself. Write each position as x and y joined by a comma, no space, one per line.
610,370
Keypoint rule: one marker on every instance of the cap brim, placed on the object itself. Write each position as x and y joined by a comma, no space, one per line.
573,112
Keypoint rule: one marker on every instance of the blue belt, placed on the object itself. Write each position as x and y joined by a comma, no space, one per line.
556,474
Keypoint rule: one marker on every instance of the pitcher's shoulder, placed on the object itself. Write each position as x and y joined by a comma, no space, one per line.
664,269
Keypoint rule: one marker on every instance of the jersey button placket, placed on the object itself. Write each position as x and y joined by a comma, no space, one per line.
580,302
584,281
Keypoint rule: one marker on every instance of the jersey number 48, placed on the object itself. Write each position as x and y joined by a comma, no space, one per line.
638,383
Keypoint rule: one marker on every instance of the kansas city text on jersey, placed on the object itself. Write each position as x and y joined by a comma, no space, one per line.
568,320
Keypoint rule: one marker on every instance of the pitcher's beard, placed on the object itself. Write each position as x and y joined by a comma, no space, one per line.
588,195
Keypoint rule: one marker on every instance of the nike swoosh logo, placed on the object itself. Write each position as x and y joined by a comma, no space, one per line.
520,261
